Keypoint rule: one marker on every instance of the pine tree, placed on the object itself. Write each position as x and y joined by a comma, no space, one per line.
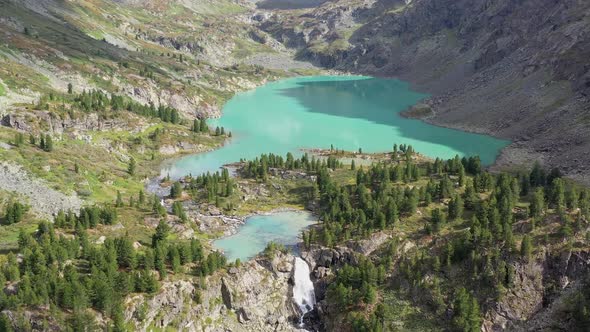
526,247
203,124
229,188
461,175
584,203
176,190
48,146
125,252
437,220
132,166
157,207
538,203
537,176
19,139
571,199
161,233
178,210
196,126
558,194
467,316
174,258
455,207
141,197
14,213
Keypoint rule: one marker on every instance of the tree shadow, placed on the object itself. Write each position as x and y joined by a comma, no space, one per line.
299,194
54,29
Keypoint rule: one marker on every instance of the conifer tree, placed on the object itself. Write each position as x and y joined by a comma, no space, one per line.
526,247
132,166
203,126
19,139
467,316
437,219
196,126
48,143
455,207
229,188
176,190
558,194
538,203
141,197
537,176
178,210
161,233
571,199
15,212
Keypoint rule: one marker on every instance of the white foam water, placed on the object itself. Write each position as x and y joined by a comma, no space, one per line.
303,292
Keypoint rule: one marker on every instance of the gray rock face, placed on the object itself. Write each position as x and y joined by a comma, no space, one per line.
44,200
25,121
254,297
226,294
529,305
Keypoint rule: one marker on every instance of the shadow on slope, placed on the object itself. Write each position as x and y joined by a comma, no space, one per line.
380,101
289,4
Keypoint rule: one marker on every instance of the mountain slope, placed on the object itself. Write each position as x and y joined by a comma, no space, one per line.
176,53
512,69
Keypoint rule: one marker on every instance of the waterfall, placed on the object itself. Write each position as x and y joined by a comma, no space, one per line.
303,292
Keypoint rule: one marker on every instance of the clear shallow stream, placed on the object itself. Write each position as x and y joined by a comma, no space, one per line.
350,112
259,230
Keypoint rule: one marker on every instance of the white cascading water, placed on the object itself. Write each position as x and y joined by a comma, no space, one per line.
303,292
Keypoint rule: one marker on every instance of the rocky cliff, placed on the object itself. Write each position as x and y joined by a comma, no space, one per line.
540,298
257,296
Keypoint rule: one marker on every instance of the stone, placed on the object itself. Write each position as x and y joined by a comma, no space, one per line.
226,294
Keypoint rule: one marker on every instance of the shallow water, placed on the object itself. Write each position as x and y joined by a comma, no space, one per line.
349,112
259,230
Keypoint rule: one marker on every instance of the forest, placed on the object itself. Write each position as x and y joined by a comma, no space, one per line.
470,225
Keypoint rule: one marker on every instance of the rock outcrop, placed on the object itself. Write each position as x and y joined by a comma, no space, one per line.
540,288
256,296
44,201
27,121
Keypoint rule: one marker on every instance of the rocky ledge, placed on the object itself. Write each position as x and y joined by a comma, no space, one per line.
256,296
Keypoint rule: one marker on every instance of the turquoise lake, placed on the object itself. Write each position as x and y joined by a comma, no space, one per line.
258,231
349,112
